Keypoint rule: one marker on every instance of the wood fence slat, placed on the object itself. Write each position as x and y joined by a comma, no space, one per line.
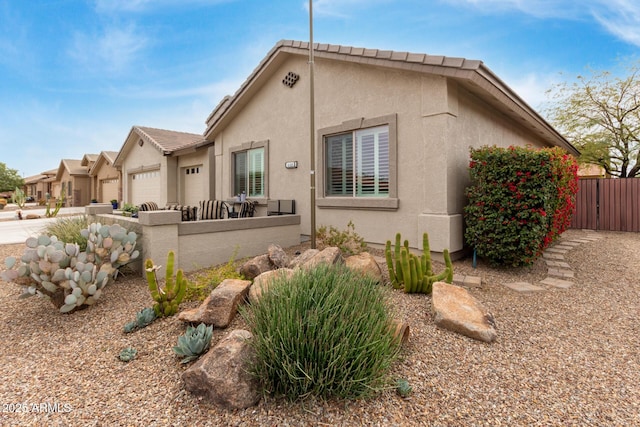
608,204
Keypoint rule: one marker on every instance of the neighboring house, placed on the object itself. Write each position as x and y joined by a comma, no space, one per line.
105,178
38,186
165,166
74,178
392,137
589,170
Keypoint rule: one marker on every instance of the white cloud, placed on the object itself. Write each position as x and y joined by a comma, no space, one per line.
113,6
619,17
532,87
341,8
112,50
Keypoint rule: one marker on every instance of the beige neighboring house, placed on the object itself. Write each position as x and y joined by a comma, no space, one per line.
74,178
589,170
38,186
105,178
392,137
165,166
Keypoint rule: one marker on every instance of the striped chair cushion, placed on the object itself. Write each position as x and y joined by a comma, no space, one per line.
189,213
149,206
247,209
211,209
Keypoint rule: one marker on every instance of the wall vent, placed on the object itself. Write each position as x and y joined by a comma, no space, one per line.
290,79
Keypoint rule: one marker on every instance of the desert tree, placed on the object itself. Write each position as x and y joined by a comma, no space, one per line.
9,178
600,115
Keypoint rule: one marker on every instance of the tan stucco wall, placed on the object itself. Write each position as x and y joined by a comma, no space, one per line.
102,172
147,158
437,122
200,159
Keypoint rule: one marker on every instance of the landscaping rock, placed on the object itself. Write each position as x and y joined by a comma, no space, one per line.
221,305
457,310
256,266
278,256
303,258
366,264
221,374
261,283
331,256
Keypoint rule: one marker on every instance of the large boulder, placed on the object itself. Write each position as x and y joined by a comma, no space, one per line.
221,305
457,310
366,264
256,266
301,259
221,375
330,255
278,256
262,282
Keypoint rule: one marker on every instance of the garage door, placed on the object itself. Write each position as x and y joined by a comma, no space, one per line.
145,187
108,190
192,178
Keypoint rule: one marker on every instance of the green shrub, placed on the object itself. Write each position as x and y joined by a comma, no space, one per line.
69,230
201,285
324,332
520,200
348,241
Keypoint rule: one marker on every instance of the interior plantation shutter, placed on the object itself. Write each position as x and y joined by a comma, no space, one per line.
256,173
339,174
372,162
240,178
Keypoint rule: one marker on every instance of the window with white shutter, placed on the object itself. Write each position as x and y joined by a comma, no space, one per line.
359,164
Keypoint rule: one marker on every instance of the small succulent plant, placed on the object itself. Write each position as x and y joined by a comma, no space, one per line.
403,388
128,354
144,318
194,342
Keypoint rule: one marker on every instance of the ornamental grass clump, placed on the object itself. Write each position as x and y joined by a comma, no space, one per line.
324,332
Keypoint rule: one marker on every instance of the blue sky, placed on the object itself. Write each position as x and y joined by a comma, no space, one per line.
75,75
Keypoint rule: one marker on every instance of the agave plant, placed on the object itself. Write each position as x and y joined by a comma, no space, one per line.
128,354
194,342
144,318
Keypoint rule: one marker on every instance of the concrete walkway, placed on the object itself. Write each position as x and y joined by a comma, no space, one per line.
559,272
14,231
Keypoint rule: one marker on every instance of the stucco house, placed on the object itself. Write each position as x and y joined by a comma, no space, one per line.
73,177
165,166
105,178
392,138
38,186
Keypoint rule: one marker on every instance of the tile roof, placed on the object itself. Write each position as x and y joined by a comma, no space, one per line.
168,141
473,74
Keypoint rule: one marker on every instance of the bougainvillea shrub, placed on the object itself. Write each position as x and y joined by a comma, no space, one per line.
520,200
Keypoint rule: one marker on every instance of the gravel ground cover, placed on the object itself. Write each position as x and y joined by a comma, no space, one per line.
564,357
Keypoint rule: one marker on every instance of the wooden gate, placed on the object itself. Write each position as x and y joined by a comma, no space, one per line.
608,204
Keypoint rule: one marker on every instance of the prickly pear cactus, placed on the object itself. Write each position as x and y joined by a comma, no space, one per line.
72,279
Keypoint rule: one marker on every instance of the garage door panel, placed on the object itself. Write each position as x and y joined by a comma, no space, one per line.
109,190
145,187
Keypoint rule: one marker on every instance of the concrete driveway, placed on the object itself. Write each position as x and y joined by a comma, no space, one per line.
17,231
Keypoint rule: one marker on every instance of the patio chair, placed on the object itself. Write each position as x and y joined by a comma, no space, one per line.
212,209
149,206
247,209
